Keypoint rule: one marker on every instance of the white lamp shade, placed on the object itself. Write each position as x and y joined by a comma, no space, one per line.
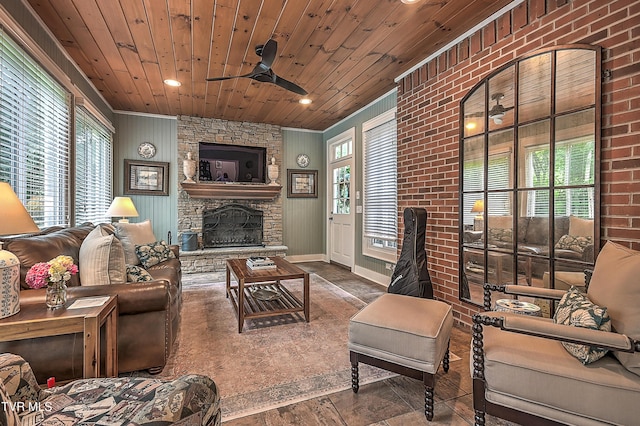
122,207
15,220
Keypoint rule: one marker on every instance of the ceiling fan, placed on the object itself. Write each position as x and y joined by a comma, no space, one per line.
262,71
497,112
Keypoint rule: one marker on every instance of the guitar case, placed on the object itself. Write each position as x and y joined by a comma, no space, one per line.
410,276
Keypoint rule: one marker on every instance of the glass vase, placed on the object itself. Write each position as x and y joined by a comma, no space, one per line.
56,294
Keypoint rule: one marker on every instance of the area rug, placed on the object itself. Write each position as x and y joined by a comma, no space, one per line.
275,361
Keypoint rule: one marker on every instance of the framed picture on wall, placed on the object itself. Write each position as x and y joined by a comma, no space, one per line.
302,183
146,177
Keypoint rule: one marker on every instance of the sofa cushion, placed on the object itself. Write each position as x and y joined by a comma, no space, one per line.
154,253
574,243
101,259
132,234
577,310
45,246
136,274
615,284
580,227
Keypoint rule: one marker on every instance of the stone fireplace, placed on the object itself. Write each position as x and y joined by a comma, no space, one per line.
194,213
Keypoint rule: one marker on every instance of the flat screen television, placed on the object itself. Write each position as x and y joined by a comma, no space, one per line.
232,163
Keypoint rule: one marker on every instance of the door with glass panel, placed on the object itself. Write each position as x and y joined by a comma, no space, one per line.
341,228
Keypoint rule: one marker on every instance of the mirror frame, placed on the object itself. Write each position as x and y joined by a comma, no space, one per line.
481,99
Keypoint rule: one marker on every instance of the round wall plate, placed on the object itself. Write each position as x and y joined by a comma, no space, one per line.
302,160
146,150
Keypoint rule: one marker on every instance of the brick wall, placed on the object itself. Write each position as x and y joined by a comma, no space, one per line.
428,120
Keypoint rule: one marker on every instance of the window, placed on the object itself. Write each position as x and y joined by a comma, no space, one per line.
93,169
36,144
380,187
34,135
574,167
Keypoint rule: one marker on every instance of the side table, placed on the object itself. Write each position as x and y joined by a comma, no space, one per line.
36,320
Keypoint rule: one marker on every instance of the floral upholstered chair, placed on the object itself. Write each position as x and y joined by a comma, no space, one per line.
188,400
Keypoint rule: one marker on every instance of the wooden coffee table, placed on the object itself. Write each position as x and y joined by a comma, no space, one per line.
250,297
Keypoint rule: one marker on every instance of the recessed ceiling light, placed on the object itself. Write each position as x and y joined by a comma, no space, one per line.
305,101
174,83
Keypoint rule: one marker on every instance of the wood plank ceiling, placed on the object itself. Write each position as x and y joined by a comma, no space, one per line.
345,53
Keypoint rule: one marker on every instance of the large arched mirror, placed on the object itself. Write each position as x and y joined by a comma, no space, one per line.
529,172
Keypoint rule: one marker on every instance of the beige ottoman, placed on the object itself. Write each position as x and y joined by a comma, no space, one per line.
404,334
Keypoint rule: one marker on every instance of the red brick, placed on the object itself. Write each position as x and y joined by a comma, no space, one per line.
520,15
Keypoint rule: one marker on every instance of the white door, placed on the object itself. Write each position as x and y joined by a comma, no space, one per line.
341,228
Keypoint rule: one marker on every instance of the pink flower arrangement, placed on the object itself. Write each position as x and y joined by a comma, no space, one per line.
58,269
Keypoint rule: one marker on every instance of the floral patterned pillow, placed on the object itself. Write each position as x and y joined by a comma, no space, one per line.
575,243
136,274
153,253
504,235
577,310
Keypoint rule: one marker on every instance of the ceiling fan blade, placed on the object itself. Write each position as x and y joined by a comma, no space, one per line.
228,77
269,53
285,84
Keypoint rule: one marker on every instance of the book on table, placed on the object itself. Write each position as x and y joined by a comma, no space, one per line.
259,262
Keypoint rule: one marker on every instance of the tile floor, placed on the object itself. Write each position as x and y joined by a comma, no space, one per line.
396,401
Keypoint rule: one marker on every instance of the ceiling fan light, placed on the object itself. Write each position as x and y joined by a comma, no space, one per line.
305,101
173,83
498,119
410,1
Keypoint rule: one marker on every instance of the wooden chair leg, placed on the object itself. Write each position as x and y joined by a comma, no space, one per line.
428,403
355,382
445,360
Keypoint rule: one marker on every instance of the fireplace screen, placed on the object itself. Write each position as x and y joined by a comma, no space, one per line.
232,225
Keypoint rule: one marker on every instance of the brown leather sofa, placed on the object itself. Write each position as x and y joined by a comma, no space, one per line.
149,312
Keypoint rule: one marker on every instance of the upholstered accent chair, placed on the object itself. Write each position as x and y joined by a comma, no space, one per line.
188,400
567,369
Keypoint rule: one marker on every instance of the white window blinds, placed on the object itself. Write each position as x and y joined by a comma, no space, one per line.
34,135
93,168
380,178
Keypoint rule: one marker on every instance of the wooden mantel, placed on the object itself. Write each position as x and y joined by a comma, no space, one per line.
235,191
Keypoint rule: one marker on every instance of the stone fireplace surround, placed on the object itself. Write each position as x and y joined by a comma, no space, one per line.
191,131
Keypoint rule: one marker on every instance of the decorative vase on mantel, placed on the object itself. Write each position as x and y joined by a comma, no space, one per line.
56,294
273,171
189,169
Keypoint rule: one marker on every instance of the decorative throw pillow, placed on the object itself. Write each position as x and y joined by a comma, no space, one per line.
580,227
101,259
136,274
575,243
154,253
503,235
577,310
131,235
615,284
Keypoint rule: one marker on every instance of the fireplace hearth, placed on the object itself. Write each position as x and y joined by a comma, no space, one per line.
232,225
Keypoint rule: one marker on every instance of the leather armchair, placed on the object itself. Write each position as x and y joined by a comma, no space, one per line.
522,373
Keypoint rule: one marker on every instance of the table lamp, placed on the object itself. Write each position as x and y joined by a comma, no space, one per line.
15,220
478,207
122,207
